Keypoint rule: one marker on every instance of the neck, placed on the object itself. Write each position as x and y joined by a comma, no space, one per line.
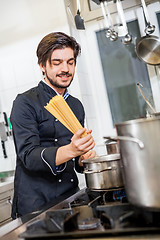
60,91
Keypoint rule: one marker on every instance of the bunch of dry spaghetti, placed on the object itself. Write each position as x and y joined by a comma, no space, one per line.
58,107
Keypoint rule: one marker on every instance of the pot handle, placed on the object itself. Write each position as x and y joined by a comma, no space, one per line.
126,138
99,171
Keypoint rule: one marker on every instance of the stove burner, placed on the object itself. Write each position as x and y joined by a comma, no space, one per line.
89,223
114,196
95,214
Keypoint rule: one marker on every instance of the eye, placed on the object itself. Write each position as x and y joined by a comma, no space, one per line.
71,62
56,63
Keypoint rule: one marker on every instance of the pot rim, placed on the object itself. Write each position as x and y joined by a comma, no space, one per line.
139,120
103,158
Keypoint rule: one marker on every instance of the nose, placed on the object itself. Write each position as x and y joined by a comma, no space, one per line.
65,67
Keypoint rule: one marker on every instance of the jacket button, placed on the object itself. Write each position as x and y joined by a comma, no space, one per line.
72,180
56,120
55,139
59,180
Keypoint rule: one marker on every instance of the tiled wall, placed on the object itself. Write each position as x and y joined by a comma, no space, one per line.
18,72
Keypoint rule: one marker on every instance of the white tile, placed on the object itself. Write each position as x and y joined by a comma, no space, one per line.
92,124
6,98
24,71
26,87
7,75
84,83
89,106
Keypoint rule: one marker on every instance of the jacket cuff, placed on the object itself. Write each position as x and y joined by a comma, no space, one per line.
78,168
48,156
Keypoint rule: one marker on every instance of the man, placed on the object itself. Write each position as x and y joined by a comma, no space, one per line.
47,152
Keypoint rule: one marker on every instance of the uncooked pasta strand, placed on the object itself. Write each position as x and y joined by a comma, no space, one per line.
54,113
67,112
58,107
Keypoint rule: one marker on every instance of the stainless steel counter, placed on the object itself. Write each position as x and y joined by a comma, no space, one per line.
6,195
5,186
12,230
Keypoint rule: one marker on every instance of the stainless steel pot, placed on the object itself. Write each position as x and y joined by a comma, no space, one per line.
140,154
148,47
104,172
111,146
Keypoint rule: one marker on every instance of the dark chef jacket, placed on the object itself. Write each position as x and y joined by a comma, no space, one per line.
37,135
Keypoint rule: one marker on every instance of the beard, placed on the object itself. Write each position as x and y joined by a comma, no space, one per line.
57,85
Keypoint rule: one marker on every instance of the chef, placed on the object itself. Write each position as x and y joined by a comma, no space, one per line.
47,152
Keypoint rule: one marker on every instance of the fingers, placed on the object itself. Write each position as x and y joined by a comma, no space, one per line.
87,155
80,132
91,154
83,130
82,144
88,131
88,145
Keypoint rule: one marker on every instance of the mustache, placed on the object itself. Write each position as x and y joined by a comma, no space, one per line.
64,74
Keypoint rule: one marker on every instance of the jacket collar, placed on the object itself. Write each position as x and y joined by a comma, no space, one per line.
50,90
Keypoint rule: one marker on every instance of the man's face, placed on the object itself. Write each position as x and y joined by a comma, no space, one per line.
60,72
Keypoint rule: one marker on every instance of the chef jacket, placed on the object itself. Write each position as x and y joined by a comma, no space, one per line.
37,136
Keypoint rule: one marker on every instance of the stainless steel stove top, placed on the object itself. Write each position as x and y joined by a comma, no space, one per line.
91,215
94,214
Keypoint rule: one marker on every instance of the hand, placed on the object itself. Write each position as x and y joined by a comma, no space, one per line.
90,154
81,145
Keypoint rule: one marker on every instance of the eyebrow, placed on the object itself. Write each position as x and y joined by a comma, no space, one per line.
61,60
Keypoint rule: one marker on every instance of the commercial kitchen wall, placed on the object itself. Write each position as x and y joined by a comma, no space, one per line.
23,24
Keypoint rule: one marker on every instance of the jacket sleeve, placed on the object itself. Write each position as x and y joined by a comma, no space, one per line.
27,141
78,168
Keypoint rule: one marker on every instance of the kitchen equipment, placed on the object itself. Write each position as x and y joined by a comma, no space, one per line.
4,149
111,146
103,172
110,32
149,28
78,19
148,47
127,38
154,113
6,123
3,137
113,218
140,155
138,85
113,35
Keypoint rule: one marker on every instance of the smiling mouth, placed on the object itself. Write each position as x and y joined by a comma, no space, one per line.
64,75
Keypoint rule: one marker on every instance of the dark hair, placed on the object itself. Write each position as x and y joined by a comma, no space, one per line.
55,40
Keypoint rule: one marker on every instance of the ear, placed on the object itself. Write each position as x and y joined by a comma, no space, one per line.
42,67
